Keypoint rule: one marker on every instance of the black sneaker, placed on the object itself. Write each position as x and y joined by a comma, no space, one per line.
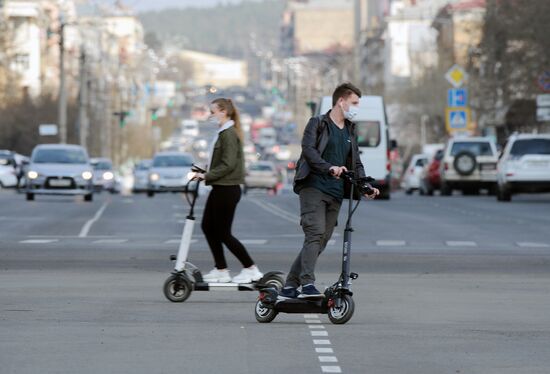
289,293
310,292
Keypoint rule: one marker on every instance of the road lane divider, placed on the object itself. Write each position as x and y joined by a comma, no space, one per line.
88,225
325,353
275,210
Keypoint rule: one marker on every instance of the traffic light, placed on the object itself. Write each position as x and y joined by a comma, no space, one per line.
154,115
122,117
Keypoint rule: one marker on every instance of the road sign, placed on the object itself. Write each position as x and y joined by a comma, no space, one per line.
543,100
47,129
457,97
543,114
544,81
456,76
457,119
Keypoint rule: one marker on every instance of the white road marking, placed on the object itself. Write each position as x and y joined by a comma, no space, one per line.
312,321
88,225
38,241
321,341
324,350
391,243
128,201
331,369
254,241
110,241
316,326
275,210
328,359
533,245
331,242
319,333
452,243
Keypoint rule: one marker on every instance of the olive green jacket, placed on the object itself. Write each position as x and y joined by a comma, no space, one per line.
227,166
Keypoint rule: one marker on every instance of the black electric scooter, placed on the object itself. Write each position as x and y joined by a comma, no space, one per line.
186,277
337,301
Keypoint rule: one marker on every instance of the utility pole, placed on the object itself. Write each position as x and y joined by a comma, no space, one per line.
83,121
62,97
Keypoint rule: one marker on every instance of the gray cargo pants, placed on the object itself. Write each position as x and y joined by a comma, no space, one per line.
319,214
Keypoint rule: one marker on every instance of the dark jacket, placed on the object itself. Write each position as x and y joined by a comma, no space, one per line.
227,166
314,142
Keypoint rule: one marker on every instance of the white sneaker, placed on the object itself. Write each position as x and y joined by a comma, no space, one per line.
248,275
217,276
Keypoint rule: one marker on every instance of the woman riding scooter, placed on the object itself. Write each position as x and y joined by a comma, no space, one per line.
225,174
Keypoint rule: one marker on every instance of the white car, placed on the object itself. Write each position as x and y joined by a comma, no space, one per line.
524,165
261,174
141,176
59,169
170,172
469,164
413,173
7,176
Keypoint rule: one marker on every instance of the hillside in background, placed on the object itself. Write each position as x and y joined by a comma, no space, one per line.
225,30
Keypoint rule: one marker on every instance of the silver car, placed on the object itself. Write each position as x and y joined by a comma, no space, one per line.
141,176
170,172
59,169
105,177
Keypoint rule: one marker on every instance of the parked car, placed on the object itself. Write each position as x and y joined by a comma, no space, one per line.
524,166
261,174
141,176
170,172
105,177
190,128
8,169
430,179
411,178
469,164
59,169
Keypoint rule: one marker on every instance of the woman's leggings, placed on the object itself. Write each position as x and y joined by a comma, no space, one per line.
216,225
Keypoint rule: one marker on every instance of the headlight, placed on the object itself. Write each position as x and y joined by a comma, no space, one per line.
32,174
154,177
108,176
87,175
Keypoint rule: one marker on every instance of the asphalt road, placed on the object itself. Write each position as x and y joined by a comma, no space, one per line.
447,285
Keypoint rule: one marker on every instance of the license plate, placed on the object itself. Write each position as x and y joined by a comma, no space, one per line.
60,182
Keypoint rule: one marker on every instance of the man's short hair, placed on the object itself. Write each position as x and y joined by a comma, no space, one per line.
344,90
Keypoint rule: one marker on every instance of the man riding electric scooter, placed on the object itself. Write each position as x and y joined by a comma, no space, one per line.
329,148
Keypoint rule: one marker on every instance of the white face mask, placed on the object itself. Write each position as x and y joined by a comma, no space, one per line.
351,113
214,120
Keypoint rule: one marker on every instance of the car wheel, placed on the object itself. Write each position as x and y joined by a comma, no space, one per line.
30,196
446,190
150,194
409,191
504,194
89,197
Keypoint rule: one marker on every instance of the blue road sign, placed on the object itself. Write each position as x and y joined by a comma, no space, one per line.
458,119
457,97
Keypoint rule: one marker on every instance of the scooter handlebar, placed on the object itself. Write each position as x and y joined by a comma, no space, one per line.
197,169
361,183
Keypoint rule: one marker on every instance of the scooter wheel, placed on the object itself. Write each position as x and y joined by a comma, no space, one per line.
177,288
264,314
343,314
274,280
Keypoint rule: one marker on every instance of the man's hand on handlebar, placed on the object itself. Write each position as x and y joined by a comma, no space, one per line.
198,177
336,171
372,192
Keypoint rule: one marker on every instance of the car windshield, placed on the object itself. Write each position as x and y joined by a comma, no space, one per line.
60,156
368,133
143,166
103,165
477,148
531,147
260,167
172,161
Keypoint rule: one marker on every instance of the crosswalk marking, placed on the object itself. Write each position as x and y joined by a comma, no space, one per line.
391,243
254,241
533,245
38,241
454,243
110,241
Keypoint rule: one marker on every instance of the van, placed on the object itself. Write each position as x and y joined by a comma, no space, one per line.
373,139
190,128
